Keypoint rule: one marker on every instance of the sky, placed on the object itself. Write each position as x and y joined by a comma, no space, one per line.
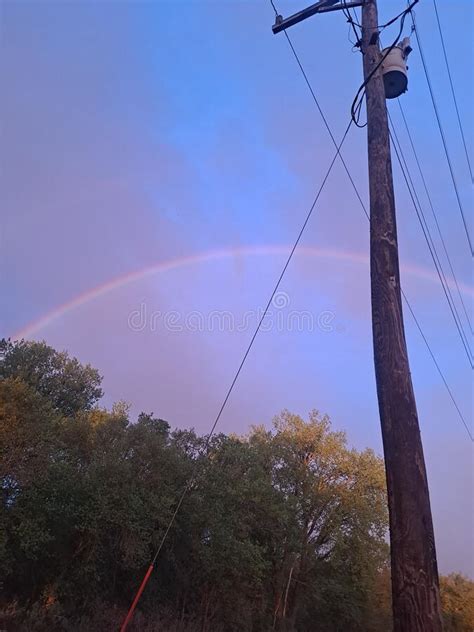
157,162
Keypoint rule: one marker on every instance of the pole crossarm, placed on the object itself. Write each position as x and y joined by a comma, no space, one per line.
324,6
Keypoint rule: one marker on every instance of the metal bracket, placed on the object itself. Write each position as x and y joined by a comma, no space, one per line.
323,6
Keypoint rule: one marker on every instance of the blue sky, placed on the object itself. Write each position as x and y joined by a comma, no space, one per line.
139,132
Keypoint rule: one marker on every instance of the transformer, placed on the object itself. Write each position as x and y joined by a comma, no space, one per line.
394,69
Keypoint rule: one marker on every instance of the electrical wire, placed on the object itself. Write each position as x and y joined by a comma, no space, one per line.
191,478
461,416
452,90
434,215
441,131
316,102
381,27
429,240
258,327
352,24
364,209
400,15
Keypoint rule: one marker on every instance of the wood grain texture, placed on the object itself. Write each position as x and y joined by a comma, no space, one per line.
415,586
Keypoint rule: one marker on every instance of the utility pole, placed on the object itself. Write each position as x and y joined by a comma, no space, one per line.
415,584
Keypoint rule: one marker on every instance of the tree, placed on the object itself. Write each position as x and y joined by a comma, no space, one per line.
28,430
282,529
457,598
336,519
67,384
222,552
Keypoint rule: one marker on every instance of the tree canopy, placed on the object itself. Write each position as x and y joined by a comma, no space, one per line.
282,529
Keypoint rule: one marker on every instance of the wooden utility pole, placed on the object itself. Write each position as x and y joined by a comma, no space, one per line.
415,585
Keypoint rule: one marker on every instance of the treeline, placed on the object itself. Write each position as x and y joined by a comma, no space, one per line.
282,529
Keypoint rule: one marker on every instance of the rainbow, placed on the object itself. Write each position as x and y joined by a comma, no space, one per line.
214,255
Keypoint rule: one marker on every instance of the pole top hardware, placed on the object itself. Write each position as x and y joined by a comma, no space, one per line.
323,6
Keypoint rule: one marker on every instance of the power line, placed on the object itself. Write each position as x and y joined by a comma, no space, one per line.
452,89
380,27
308,83
232,385
441,131
434,215
257,329
352,24
321,113
437,365
429,240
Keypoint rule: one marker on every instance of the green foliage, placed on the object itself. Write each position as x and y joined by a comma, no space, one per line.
68,385
283,529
